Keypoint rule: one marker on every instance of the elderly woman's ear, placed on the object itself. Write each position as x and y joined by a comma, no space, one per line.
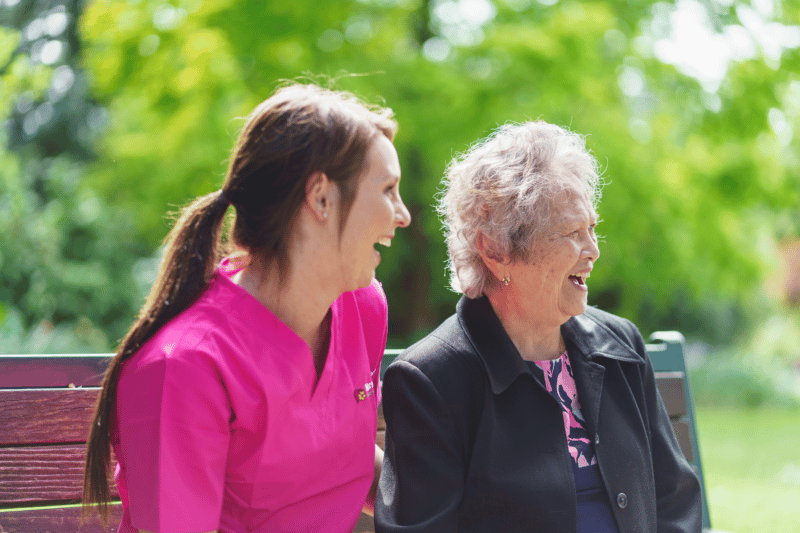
496,263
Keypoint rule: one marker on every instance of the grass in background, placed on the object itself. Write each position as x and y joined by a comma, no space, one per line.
751,467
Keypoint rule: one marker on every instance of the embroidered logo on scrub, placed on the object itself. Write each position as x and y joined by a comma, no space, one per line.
366,392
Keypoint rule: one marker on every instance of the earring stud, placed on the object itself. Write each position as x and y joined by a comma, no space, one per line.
506,280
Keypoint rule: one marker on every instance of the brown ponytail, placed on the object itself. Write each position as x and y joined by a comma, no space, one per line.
190,255
300,130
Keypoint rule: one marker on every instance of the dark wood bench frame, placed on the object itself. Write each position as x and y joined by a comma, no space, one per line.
46,403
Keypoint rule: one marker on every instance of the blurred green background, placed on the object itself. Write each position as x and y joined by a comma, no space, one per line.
116,112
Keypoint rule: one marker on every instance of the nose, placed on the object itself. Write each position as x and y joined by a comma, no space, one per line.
591,251
401,215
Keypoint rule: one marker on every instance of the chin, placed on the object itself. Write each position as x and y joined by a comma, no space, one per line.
575,310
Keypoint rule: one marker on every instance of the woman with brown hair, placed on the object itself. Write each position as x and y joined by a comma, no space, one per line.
244,397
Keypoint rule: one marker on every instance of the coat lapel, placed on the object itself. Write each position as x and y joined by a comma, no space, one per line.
590,347
589,382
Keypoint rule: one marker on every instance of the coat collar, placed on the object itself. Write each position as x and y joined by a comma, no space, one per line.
585,337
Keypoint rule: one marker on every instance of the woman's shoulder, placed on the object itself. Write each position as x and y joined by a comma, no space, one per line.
445,355
189,341
442,371
196,337
365,312
370,301
608,319
615,327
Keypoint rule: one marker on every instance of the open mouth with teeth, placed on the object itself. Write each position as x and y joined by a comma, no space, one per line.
580,281
383,241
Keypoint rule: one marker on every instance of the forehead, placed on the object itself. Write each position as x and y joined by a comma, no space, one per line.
382,160
572,206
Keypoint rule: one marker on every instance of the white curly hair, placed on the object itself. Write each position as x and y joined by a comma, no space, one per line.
505,188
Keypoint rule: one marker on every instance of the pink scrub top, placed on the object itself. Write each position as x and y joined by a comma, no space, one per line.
220,426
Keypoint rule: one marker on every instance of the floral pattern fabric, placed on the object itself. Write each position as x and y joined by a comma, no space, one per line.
560,383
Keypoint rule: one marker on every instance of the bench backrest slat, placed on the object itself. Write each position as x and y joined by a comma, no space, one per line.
682,432
41,474
37,416
670,385
39,371
60,520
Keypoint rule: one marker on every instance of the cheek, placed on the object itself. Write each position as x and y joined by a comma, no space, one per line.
387,209
551,265
373,212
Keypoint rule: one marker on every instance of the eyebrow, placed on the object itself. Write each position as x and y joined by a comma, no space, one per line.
571,222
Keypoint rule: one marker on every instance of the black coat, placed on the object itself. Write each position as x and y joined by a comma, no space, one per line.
475,443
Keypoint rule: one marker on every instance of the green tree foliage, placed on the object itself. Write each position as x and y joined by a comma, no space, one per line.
69,261
698,179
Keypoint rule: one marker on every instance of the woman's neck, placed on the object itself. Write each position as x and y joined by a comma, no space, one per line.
534,339
299,299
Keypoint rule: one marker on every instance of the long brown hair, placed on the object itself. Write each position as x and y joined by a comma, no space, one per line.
299,130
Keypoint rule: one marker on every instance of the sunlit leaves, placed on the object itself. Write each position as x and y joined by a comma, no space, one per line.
695,177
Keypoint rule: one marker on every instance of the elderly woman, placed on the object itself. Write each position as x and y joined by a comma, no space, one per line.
527,410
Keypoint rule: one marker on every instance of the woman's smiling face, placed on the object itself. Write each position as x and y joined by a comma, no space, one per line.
552,279
376,212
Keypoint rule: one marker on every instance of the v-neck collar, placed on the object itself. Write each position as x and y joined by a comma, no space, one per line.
322,385
291,344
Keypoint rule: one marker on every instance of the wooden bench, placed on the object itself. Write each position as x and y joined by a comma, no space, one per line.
666,351
46,404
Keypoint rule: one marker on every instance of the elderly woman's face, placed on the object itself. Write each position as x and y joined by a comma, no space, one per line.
552,280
